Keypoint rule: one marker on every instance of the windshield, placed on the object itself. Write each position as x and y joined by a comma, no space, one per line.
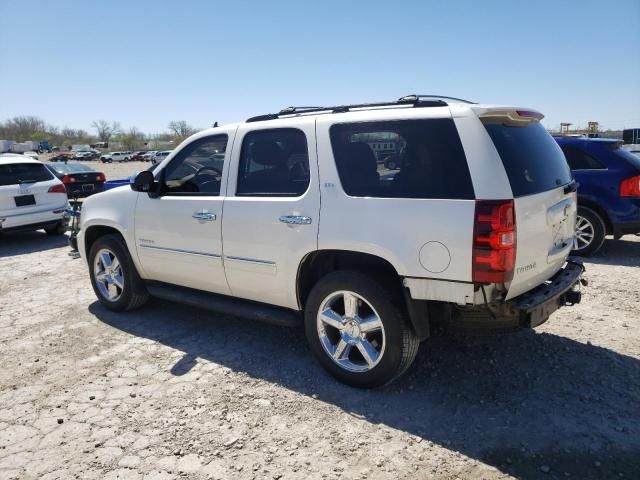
532,159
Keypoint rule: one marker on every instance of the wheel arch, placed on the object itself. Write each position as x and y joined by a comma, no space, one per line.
319,263
592,205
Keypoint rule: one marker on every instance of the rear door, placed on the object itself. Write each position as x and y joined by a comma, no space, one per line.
544,199
271,212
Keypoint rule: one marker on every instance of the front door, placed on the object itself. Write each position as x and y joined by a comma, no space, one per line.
179,234
271,211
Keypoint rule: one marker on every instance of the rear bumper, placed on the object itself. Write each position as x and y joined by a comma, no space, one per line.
32,227
527,310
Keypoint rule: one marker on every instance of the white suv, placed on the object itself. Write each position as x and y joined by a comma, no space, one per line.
290,218
115,157
31,197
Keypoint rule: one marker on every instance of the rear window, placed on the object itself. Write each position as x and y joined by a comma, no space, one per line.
16,173
628,156
401,159
531,157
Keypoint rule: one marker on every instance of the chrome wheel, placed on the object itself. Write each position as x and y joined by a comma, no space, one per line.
350,331
584,233
107,272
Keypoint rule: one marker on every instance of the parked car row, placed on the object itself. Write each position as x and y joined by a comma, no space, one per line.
129,156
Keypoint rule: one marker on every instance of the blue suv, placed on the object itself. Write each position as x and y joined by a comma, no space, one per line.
608,193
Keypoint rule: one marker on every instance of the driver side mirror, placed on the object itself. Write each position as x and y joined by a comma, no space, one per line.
145,182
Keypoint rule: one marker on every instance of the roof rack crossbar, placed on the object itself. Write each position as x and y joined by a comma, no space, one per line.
415,100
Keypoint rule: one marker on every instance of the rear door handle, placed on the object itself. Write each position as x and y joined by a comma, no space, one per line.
208,217
295,219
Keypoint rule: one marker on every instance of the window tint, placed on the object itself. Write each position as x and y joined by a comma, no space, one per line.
197,168
401,159
274,163
15,173
580,160
531,157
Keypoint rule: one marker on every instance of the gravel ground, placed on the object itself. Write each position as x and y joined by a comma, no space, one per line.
175,392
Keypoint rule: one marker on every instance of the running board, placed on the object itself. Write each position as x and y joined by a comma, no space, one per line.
238,307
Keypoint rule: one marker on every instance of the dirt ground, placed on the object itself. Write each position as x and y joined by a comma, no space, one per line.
175,392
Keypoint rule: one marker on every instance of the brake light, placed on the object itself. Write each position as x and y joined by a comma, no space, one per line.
100,177
630,187
58,188
494,241
68,179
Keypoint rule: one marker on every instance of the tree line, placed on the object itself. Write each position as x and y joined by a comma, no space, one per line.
23,128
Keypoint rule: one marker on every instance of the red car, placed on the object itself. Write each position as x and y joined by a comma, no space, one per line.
137,156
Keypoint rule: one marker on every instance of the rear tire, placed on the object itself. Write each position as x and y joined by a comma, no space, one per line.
340,343
121,288
590,232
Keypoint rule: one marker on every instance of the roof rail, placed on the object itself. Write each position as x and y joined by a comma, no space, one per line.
408,100
417,97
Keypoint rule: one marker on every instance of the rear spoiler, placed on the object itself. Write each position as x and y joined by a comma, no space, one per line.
509,115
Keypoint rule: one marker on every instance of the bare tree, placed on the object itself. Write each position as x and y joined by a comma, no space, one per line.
133,139
22,128
181,129
106,130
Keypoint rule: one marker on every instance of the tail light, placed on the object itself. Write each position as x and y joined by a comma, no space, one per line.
630,187
68,179
100,177
494,241
58,188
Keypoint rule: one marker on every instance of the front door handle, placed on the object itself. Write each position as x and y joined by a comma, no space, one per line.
295,219
208,217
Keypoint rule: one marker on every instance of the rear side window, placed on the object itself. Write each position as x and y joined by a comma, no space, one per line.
580,160
401,159
274,162
531,157
16,173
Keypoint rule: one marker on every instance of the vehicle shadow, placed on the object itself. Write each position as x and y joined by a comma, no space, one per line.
23,243
617,252
519,402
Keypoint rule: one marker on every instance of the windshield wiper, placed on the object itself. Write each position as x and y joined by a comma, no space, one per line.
26,181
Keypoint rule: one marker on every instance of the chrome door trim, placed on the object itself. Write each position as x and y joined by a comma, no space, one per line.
178,250
250,260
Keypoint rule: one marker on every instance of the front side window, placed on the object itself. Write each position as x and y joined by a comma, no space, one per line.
420,159
197,168
579,160
274,162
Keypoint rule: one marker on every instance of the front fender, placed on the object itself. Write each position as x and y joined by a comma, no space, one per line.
113,209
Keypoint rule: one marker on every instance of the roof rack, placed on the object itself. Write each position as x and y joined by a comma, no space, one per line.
413,100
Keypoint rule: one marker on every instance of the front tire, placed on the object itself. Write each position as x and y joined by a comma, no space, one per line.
357,329
114,277
590,232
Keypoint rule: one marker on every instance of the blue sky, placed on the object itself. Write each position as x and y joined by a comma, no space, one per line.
145,63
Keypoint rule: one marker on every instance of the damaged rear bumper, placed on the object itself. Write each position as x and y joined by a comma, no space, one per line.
527,310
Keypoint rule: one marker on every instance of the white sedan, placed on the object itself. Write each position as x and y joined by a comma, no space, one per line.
31,197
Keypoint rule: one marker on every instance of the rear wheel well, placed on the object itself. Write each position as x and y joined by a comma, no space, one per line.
318,264
93,233
600,211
